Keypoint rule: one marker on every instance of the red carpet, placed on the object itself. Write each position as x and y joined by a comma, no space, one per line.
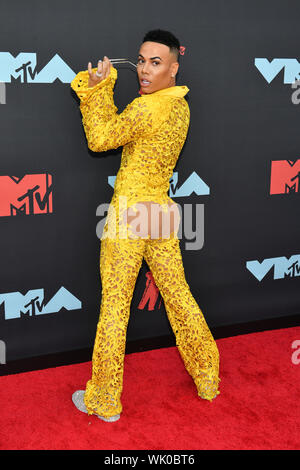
258,407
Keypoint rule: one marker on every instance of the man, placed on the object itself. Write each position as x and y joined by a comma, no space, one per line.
152,130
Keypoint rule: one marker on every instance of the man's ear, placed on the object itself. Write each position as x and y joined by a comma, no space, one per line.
175,67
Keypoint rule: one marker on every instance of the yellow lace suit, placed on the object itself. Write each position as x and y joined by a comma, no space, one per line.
152,130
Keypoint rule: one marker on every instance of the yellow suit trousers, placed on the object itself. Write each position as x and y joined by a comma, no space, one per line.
120,262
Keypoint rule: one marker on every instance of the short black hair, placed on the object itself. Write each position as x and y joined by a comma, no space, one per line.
164,37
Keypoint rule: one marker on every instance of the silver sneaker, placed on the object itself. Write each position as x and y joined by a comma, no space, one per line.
78,400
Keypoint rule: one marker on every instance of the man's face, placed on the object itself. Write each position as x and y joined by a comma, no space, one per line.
156,64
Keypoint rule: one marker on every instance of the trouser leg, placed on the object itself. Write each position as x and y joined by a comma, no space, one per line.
194,340
120,262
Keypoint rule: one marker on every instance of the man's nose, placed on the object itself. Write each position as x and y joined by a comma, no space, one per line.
145,68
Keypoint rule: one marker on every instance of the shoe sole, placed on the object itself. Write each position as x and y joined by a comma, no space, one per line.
77,399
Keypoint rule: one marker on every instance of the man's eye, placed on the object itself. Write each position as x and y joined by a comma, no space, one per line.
154,62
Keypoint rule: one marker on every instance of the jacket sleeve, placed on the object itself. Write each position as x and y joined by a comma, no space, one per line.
104,128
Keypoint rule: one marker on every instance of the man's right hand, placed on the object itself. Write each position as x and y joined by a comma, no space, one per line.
103,67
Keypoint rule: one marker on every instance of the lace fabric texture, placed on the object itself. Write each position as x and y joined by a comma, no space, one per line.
152,130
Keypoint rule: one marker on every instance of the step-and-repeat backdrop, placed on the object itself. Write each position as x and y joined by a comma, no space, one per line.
237,178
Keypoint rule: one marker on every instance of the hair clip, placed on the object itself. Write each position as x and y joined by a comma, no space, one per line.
181,50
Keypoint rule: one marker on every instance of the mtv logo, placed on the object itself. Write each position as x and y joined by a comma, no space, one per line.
269,69
26,195
32,303
285,175
282,266
24,66
193,184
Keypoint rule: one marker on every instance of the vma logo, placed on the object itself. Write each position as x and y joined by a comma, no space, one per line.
24,67
193,184
26,195
17,305
285,176
282,267
270,69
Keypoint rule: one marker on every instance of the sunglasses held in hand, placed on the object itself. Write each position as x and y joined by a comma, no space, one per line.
122,61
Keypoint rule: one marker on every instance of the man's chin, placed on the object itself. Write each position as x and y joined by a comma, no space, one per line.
142,91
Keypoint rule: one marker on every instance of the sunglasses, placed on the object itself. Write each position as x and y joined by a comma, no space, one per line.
122,61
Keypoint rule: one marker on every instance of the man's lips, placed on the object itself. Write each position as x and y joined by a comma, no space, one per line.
144,83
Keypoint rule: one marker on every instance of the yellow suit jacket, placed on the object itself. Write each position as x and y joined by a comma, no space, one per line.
152,130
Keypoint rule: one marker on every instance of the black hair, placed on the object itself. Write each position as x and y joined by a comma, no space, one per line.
164,37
